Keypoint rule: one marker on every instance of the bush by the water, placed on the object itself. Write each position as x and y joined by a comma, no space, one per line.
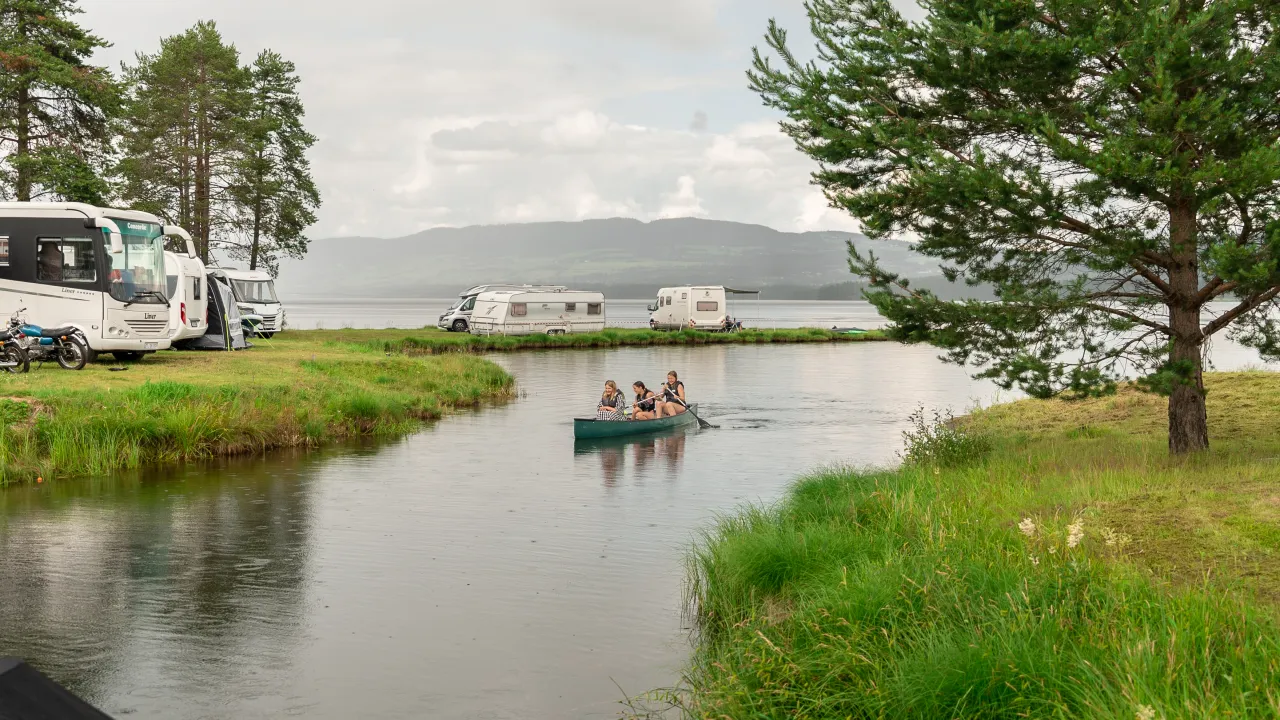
939,441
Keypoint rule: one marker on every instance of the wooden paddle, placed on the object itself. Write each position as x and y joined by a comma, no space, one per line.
701,423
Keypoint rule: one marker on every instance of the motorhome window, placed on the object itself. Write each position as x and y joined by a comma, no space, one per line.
666,300
4,251
171,286
571,307
519,309
195,286
470,304
684,296
593,308
137,274
65,260
708,306
255,291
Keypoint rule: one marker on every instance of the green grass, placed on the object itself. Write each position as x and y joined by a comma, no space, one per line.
914,593
436,342
298,389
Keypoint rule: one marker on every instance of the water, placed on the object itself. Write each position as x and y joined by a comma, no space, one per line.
310,313
484,568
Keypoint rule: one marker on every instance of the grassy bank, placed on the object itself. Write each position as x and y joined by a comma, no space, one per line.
1051,561
300,388
435,342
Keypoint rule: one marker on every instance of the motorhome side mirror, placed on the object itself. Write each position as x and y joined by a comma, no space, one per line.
113,232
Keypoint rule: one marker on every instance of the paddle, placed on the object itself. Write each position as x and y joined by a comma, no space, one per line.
701,423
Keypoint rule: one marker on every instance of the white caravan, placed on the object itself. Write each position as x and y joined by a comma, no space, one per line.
698,306
101,270
188,296
458,317
255,293
530,312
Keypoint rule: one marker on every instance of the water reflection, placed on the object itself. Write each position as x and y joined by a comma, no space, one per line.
662,452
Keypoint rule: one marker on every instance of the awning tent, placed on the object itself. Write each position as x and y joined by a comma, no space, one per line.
225,330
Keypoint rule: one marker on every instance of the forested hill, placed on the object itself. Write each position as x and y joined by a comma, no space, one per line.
624,258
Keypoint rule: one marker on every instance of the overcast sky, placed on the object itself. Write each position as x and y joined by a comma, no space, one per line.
442,112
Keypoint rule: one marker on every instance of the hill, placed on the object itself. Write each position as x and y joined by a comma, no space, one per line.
623,257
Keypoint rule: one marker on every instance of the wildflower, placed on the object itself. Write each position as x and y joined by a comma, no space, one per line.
1146,712
1034,560
1027,526
1053,549
1075,533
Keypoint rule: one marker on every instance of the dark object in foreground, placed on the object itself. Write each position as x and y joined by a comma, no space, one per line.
27,694
591,428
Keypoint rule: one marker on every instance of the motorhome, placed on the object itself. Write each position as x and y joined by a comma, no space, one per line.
101,270
691,306
188,296
255,293
458,317
530,312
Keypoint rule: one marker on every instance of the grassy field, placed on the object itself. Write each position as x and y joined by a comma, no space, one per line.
298,389
1047,560
434,342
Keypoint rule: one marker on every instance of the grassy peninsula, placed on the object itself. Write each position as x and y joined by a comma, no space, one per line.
300,388
434,342
1042,559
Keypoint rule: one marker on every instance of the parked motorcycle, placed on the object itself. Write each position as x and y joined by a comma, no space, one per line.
67,344
13,356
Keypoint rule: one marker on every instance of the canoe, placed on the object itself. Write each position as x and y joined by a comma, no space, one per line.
591,428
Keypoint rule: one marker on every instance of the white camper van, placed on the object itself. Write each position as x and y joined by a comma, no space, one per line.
255,293
529,312
101,270
701,306
458,317
188,296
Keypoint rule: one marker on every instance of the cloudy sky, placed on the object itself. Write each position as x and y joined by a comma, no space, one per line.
440,112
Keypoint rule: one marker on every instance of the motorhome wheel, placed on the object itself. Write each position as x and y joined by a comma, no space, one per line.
266,335
459,325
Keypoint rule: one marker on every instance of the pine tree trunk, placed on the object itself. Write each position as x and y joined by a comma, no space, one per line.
257,233
22,183
1188,417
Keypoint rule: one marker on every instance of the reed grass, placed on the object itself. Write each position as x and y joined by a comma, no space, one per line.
1067,567
298,389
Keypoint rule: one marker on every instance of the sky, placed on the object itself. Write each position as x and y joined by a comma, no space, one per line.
445,113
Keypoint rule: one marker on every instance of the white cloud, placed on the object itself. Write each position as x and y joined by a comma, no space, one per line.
684,202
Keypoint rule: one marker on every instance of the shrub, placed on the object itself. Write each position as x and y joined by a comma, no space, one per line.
941,441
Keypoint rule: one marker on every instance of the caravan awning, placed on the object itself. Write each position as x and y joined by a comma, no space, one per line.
731,291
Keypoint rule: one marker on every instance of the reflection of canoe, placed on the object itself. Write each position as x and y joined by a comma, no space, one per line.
589,446
590,428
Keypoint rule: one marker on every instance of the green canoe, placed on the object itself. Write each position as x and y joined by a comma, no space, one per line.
590,428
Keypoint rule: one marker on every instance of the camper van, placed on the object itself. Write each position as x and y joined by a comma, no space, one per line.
188,297
458,317
101,270
255,293
701,306
529,312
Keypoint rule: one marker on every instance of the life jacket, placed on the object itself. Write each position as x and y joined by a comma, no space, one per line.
669,393
646,403
614,401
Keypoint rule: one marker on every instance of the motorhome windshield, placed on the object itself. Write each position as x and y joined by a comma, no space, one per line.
137,274
254,291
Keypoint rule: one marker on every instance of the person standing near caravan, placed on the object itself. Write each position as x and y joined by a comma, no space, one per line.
673,399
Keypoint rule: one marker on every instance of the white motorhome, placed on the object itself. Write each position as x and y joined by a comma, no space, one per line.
101,270
188,296
530,312
691,306
458,317
255,293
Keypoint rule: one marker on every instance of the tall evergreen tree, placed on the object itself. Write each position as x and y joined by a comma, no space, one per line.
55,108
1109,167
182,133
274,188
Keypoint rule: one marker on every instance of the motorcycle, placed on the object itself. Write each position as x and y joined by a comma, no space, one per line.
67,344
13,356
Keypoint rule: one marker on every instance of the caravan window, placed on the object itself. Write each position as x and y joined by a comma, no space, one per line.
666,300
708,306
593,308
571,307
684,296
65,260
519,309
171,286
4,251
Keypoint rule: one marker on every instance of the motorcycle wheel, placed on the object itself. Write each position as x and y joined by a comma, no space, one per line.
15,354
73,355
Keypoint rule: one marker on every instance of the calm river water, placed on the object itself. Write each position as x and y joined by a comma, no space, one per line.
483,568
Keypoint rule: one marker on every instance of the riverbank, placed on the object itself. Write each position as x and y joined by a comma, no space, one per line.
1050,560
431,341
302,388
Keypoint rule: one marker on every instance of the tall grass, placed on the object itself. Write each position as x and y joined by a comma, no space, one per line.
976,584
434,342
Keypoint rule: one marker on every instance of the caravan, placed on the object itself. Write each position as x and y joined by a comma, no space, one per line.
255,293
696,307
100,270
458,317
188,296
529,312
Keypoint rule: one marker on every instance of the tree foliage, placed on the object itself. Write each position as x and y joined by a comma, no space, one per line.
1110,168
55,108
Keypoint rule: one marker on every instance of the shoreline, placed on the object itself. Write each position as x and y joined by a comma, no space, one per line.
439,342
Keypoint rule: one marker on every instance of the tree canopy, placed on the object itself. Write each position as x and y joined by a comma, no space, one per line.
1110,168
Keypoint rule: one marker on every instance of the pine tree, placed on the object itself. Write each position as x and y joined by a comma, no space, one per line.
1110,168
55,108
182,133
275,191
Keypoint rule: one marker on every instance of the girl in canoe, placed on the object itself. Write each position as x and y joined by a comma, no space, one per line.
646,404
673,400
611,402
